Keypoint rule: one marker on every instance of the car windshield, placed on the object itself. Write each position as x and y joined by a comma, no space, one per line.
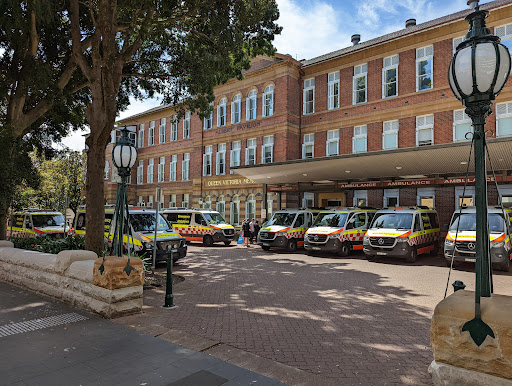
283,219
48,220
336,220
214,218
393,220
468,222
145,222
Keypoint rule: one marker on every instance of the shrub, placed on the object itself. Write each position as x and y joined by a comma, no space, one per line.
49,244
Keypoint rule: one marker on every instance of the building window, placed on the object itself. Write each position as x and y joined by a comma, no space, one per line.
333,90
425,130
308,147
308,95
186,126
359,84
359,139
140,171
390,135
390,77
332,146
221,113
207,202
504,119
391,198
150,201
162,131
172,168
186,200
424,71
220,206
221,159
149,178
360,198
235,210
236,107
464,197
207,161
505,33
426,197
151,133
308,201
250,152
208,122
140,137
250,207
106,171
250,105
456,42
270,205
174,129
185,167
461,126
161,170
268,101
267,151
172,202
235,154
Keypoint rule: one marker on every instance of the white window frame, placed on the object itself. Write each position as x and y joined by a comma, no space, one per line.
333,90
333,136
426,192
391,193
174,129
268,143
106,171
390,128
503,111
267,101
360,133
460,118
389,63
186,125
220,206
172,201
140,136
162,131
151,133
161,170
221,113
149,177
504,32
208,122
150,201
252,144
186,200
360,71
308,96
424,122
422,54
235,200
140,172
360,195
220,167
251,201
309,140
470,192
185,167
173,165
207,202
236,109
207,161
251,101
234,155
270,205
307,198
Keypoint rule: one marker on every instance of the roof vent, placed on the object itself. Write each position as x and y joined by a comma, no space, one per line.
473,4
355,39
410,23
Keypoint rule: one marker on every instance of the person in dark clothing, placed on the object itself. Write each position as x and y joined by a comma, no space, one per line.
246,228
256,230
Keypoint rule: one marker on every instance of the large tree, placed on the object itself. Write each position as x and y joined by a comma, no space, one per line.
42,95
179,48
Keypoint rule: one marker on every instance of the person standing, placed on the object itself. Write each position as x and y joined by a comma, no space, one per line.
251,228
256,230
247,232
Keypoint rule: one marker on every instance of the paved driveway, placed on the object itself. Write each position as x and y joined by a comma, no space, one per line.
355,321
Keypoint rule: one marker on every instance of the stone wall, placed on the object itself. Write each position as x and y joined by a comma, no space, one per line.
67,276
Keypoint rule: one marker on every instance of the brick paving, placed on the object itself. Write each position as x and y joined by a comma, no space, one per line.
351,320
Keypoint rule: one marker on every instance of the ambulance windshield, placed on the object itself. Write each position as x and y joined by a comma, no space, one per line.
392,220
48,220
145,222
214,218
468,223
335,220
283,219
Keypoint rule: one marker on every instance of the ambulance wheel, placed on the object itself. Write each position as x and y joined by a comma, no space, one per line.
265,248
208,240
435,251
226,243
412,256
291,246
344,250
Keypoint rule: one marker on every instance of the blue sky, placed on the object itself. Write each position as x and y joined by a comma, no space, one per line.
316,27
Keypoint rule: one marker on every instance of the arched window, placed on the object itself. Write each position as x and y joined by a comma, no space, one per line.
221,206
235,210
250,105
250,207
221,112
268,101
236,106
207,202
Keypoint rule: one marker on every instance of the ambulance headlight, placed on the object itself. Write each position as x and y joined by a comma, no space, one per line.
402,240
448,243
306,237
332,237
366,239
499,244
148,245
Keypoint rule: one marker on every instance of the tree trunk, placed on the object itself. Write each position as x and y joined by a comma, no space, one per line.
7,160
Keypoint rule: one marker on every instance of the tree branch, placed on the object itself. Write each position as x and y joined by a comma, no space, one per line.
76,40
34,39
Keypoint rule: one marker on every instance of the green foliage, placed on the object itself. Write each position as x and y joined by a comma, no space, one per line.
49,244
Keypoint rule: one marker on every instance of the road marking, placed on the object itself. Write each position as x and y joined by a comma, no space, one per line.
38,324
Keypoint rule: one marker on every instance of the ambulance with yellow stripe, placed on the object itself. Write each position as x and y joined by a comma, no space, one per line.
460,240
203,225
37,223
286,229
340,230
142,232
402,232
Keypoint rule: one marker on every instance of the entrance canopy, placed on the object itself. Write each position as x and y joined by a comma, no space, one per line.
417,162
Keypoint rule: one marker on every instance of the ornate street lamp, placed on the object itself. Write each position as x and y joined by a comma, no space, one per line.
478,71
124,156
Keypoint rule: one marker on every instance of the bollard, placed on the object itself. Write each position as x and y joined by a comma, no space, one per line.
458,285
169,300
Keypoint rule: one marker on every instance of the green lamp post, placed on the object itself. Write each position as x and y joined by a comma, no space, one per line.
478,72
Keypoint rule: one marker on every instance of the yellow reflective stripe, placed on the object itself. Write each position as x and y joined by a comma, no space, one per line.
79,232
165,235
132,240
354,231
428,231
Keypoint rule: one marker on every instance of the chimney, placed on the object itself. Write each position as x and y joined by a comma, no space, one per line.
355,39
410,23
473,4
